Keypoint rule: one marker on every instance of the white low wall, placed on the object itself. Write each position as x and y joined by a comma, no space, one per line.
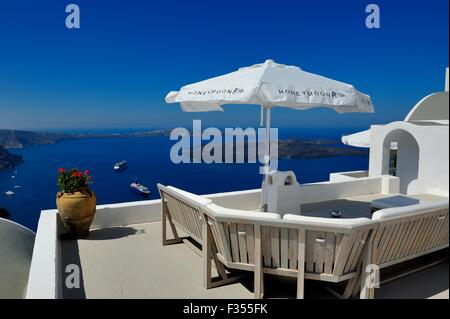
129,213
347,176
389,184
246,200
122,214
326,191
44,281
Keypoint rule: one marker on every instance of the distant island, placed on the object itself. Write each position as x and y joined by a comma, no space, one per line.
316,148
287,149
296,148
20,139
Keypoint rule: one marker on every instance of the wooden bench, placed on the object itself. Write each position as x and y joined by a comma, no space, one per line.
181,210
404,233
325,249
297,246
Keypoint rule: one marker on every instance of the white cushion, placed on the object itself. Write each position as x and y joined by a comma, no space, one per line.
247,214
193,197
394,212
308,220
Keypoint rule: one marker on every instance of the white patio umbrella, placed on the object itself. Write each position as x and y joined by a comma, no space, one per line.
361,139
271,84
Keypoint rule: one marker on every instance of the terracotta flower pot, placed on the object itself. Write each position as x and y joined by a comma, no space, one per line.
77,211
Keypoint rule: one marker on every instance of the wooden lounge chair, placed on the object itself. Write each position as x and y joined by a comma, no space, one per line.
297,246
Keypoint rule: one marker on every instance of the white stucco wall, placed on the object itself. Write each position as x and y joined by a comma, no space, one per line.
45,276
432,175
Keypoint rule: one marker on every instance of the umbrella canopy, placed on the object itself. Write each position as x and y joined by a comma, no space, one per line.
271,84
361,139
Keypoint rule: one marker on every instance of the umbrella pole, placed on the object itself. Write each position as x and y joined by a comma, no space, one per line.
267,149
266,158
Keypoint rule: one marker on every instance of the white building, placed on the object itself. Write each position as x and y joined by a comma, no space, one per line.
421,140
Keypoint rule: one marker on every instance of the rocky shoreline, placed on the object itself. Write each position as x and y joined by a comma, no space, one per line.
8,160
3,212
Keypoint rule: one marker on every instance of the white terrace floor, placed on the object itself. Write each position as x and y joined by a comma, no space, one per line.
130,262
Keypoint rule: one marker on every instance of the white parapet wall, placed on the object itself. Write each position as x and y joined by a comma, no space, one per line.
129,213
347,176
44,281
246,200
326,191
389,184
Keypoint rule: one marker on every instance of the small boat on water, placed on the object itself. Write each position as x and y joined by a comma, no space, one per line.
10,193
139,188
119,166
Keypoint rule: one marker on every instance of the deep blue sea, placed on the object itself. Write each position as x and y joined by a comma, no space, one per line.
149,162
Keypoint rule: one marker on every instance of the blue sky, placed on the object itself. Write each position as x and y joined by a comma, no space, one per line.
115,70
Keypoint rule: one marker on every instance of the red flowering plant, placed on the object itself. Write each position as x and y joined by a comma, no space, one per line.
73,180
